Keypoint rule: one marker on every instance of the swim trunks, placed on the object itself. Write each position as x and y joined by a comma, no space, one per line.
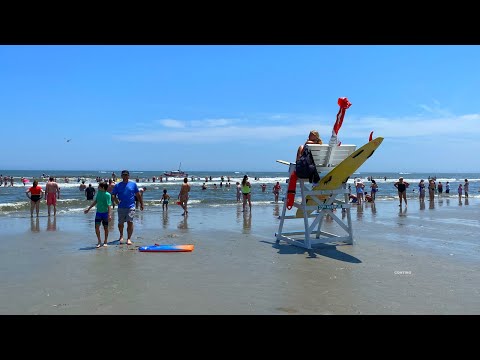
101,218
51,199
34,198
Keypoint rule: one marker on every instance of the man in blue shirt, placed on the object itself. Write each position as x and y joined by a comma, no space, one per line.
124,194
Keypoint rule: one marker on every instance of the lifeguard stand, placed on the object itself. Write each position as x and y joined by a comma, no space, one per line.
322,203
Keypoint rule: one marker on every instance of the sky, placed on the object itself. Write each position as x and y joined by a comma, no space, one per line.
236,107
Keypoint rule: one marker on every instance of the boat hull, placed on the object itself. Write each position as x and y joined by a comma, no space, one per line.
175,174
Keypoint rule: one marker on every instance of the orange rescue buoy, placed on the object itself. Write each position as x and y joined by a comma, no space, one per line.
292,185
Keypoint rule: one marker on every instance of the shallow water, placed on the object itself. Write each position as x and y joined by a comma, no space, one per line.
51,265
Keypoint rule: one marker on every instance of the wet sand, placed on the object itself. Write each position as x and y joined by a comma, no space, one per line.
404,261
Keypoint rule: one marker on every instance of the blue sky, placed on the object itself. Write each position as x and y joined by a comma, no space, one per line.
236,107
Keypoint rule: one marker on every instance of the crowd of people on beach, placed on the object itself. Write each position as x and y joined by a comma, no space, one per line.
126,195
358,196
401,185
8,180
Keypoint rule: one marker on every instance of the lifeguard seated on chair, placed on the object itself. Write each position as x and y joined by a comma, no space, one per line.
313,138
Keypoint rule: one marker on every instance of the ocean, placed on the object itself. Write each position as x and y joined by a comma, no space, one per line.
14,203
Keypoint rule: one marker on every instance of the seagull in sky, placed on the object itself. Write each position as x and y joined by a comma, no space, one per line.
68,140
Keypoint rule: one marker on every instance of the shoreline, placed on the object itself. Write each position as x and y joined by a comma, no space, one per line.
403,261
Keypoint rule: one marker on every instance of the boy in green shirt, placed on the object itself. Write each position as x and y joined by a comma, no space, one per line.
103,200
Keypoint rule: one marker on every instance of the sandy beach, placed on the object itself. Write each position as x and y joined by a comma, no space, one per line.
412,260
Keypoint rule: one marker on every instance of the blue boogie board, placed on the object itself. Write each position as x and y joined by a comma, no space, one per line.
167,248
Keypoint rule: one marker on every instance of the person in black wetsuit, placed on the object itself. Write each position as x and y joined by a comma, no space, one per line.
402,190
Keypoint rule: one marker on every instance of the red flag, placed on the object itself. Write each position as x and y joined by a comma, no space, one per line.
344,105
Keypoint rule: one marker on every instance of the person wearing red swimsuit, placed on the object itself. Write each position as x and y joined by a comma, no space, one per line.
35,194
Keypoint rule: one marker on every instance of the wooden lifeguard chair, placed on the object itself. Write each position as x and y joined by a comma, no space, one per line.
315,205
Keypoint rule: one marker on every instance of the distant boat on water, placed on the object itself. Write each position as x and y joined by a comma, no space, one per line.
176,173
